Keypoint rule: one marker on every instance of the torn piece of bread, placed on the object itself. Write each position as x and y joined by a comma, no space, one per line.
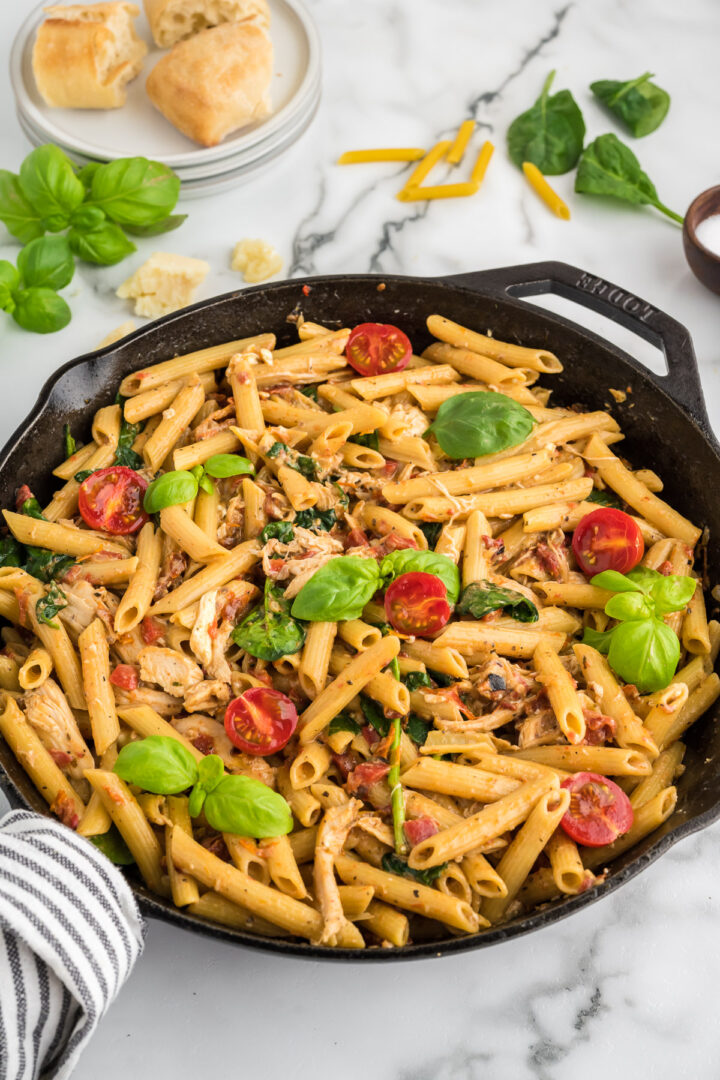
256,260
174,20
215,82
163,283
85,54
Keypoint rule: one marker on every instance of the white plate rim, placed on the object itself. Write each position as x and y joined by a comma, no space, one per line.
273,125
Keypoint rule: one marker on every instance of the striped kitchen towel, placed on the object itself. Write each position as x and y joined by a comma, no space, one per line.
70,933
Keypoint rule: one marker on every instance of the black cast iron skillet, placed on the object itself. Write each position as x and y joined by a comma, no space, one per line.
664,420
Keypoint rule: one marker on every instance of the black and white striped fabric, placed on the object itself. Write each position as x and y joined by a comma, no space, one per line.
70,933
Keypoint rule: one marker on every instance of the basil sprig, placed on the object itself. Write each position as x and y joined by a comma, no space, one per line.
180,485
550,134
341,588
608,167
269,631
482,597
234,804
277,530
641,649
480,422
639,104
96,205
395,864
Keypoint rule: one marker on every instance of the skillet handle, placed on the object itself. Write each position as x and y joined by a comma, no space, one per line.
682,382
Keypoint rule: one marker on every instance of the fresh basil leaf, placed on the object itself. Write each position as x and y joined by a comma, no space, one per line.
598,639
482,597
339,590
604,498
69,442
87,218
608,167
277,448
480,422
370,439
442,679
49,184
83,475
417,729
105,245
47,565
11,552
617,582
40,310
374,716
415,679
135,191
9,281
394,864
170,489
210,771
87,172
629,605
158,764
672,593
408,560
205,484
310,391
316,519
644,652
550,134
639,104
343,722
49,605
168,224
269,632
16,213
246,807
196,800
277,530
431,531
47,263
113,847
224,465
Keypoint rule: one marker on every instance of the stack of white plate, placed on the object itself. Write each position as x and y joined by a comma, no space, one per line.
139,129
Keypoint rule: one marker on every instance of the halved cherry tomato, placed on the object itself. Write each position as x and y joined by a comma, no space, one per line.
607,539
125,676
261,721
416,603
378,348
599,812
111,500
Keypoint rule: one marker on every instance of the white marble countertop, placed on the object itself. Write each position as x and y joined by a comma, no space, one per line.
628,984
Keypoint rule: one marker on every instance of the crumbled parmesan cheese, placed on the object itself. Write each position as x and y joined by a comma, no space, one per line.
164,283
256,260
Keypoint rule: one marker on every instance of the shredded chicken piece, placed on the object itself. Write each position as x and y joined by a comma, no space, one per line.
162,703
333,830
230,530
207,696
170,669
216,421
413,419
300,558
48,712
172,568
375,826
546,559
539,729
219,612
86,603
209,737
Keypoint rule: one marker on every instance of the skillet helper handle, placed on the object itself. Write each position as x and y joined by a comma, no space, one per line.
682,382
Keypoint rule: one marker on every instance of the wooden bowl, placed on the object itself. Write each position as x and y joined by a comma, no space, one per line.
704,263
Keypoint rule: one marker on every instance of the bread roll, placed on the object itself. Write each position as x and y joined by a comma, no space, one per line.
173,20
85,54
215,82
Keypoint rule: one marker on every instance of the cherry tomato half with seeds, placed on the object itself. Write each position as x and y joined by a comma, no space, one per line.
599,811
416,603
607,539
111,500
261,721
378,348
